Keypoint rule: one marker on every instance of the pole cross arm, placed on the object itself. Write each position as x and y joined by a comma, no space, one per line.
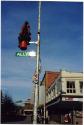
33,42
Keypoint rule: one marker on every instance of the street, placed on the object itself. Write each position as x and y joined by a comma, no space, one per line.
26,120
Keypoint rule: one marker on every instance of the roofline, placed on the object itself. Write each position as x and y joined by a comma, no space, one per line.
57,72
48,72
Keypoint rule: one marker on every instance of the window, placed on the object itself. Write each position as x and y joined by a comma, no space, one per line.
51,94
81,87
53,91
71,87
49,97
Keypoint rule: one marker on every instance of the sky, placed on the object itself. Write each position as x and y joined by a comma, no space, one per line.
61,41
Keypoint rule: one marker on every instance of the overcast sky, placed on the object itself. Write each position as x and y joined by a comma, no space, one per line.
61,42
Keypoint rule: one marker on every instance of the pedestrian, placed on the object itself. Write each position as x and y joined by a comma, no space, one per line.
69,117
66,118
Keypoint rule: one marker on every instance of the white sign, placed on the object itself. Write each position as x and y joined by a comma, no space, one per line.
71,99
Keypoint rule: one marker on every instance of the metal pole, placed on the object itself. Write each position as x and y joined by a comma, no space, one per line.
36,97
45,103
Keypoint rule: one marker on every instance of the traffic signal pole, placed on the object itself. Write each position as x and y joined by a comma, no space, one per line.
36,92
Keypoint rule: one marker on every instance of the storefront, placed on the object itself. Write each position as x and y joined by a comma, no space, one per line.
65,110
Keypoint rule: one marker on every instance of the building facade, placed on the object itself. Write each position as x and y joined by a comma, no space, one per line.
64,97
28,108
67,84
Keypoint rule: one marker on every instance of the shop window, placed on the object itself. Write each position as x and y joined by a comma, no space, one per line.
71,87
81,87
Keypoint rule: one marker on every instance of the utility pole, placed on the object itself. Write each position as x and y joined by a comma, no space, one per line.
36,92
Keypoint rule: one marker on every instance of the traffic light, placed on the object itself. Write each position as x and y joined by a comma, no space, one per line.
24,36
23,45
